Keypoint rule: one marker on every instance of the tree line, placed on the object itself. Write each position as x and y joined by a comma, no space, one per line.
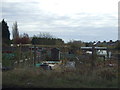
45,38
40,39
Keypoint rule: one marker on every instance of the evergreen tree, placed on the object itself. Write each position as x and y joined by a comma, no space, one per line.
5,33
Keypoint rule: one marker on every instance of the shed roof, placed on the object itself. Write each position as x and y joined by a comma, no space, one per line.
99,48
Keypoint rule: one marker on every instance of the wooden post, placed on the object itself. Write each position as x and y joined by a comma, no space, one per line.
34,61
93,58
31,57
107,53
19,52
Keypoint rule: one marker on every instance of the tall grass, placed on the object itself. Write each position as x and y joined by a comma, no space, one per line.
78,78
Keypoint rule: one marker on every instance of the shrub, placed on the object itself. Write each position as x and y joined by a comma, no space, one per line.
107,74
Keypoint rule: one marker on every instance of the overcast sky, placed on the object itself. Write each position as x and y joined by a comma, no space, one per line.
86,20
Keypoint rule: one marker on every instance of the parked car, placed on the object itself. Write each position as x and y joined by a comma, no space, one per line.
6,68
45,66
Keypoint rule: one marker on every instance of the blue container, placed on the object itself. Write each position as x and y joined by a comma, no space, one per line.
38,64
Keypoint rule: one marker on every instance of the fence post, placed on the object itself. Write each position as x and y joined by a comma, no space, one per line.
31,56
34,61
19,53
107,53
93,58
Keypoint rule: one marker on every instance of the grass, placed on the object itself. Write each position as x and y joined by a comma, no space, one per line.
79,78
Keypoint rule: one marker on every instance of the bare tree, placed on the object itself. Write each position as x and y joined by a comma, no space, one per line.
45,35
15,33
24,38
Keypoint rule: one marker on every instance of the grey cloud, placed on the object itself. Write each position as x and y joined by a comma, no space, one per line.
84,26
84,34
90,34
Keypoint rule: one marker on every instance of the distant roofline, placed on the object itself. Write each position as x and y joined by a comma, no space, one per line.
95,47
